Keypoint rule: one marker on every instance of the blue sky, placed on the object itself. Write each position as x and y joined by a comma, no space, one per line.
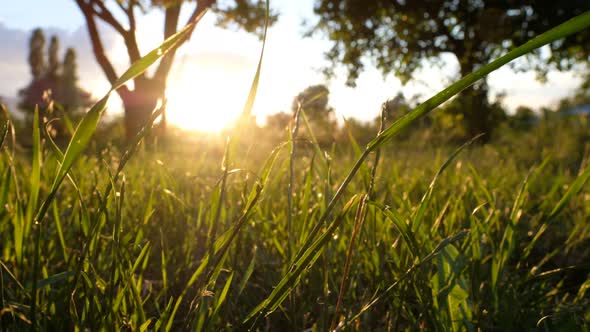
223,60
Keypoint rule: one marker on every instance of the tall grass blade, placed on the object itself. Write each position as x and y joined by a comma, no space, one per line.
35,183
247,111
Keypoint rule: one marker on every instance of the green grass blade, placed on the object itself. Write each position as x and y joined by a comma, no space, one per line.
254,86
147,60
222,296
82,135
35,182
247,274
572,191
401,226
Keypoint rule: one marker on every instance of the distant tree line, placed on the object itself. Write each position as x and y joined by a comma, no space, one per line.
317,119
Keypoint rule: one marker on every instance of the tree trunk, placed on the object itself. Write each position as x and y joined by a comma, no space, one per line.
139,104
476,110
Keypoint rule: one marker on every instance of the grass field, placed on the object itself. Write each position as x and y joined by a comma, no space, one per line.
295,236
493,242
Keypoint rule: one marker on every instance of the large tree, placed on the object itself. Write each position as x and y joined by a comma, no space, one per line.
121,15
399,35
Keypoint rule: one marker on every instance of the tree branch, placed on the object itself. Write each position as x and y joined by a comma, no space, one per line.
105,15
130,38
97,45
128,35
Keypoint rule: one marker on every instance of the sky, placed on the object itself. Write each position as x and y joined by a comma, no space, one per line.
210,80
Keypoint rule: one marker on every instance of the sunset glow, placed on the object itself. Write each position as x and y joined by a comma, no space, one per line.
206,97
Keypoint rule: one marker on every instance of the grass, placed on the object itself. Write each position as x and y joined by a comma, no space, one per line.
218,236
450,252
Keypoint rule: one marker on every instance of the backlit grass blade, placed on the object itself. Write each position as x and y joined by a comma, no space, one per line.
316,145
222,296
247,274
35,182
509,237
60,233
79,141
254,86
572,191
147,60
401,226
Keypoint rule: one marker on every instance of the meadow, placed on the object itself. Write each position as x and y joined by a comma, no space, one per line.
246,233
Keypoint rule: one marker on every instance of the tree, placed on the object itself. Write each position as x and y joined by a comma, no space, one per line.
399,106
524,118
53,82
278,121
314,101
36,56
71,96
53,69
35,94
395,108
148,90
399,35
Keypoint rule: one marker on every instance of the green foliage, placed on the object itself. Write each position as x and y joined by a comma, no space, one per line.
400,37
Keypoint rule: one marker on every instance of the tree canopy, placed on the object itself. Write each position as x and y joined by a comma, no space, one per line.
398,35
314,101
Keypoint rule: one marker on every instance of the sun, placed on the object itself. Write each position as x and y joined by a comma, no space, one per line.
205,98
